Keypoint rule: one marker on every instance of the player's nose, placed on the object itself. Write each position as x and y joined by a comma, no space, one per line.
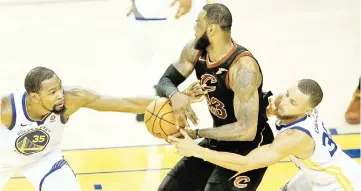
61,95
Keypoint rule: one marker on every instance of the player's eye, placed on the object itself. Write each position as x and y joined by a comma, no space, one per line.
293,103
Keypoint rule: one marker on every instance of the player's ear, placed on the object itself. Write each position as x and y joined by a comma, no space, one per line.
34,97
308,111
211,30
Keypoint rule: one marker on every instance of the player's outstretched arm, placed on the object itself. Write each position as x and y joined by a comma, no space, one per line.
244,80
290,142
75,98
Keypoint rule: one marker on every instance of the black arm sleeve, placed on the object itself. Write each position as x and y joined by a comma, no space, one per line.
169,82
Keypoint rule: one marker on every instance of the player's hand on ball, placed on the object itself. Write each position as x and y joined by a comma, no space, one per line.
182,109
191,134
186,146
195,91
184,7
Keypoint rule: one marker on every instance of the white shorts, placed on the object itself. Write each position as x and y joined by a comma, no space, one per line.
50,173
301,183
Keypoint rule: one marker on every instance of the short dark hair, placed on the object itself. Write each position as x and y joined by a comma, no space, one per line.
35,77
219,14
313,89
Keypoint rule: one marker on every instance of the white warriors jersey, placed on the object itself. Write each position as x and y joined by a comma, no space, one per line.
328,165
26,141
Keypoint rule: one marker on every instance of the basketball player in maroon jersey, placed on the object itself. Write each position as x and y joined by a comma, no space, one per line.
233,81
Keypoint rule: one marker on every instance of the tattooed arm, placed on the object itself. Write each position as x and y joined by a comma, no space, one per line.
244,80
172,77
177,72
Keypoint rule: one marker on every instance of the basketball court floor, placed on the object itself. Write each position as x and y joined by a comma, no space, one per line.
91,43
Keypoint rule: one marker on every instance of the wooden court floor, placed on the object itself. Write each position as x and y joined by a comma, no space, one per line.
131,168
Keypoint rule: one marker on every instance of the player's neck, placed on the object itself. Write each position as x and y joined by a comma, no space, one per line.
35,111
219,48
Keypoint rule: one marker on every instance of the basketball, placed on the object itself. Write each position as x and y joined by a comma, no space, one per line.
159,118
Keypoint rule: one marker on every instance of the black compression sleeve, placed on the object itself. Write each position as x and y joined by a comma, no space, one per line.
169,81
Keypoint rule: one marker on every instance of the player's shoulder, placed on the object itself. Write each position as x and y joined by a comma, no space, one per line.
6,110
189,53
244,61
303,126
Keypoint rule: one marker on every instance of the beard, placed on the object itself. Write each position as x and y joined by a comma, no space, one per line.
58,110
202,43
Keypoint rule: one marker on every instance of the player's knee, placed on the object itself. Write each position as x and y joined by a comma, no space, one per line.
166,183
65,176
170,183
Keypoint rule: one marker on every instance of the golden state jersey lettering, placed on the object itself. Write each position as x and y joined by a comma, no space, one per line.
215,105
32,141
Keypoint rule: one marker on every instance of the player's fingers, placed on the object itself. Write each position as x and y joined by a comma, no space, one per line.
190,117
173,139
194,84
176,117
197,89
201,92
185,134
178,13
178,134
183,12
193,115
173,2
183,117
197,98
272,105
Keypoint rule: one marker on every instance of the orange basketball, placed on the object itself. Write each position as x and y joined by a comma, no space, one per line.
159,118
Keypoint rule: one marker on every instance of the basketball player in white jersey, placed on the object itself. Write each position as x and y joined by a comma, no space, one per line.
301,136
32,124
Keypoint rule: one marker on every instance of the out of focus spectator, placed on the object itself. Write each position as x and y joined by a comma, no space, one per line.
352,114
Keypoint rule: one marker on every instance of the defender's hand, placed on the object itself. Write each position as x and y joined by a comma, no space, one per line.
182,109
184,7
272,108
191,134
186,146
